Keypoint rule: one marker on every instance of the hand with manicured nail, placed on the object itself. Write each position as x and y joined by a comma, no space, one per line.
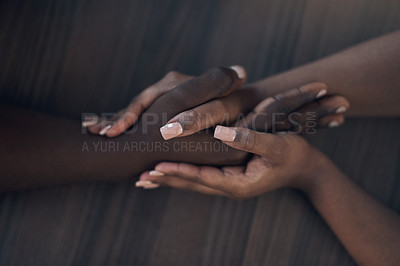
304,100
289,110
295,108
301,110
286,160
279,161
129,115
213,84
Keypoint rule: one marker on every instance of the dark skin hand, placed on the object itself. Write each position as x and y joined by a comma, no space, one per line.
55,147
226,110
368,230
47,150
368,75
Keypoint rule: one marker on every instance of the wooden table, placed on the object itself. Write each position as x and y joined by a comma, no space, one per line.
68,57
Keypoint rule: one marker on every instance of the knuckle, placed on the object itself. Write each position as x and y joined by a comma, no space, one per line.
192,120
172,74
129,118
248,140
225,78
199,173
292,93
172,77
176,169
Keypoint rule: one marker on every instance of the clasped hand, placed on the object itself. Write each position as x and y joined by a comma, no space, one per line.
267,129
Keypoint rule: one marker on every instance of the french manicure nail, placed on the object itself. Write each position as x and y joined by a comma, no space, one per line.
156,173
341,109
239,71
333,124
224,133
171,130
146,184
104,130
89,123
321,93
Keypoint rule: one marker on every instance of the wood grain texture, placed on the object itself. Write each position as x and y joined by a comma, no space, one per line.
68,57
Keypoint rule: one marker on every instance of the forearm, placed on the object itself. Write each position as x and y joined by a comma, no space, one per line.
366,74
369,230
40,150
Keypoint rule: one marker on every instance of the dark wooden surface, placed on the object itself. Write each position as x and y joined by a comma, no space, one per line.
68,57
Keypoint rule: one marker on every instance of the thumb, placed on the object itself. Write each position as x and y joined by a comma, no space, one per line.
263,144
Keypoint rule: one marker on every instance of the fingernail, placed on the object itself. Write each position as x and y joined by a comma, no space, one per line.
171,130
341,109
146,184
240,71
156,173
334,124
104,130
89,123
321,93
224,133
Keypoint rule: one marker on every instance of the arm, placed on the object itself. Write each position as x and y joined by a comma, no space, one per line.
369,230
38,149
366,74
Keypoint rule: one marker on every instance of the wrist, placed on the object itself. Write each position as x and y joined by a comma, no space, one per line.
315,172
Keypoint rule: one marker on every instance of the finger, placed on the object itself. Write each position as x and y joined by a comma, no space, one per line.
331,121
104,123
263,144
90,120
205,175
100,127
311,112
311,126
144,100
180,183
277,107
212,177
218,111
214,83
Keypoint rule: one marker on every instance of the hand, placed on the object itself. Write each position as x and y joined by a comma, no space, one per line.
213,84
300,110
272,150
283,160
229,80
228,109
